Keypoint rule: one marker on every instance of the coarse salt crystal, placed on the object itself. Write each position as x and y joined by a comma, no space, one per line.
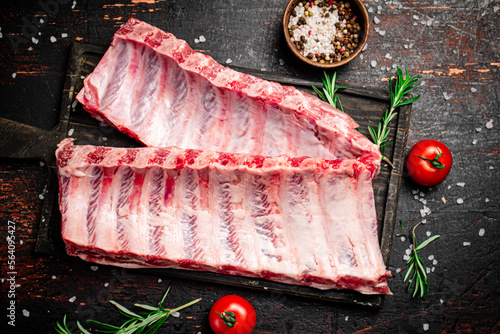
376,20
441,301
478,129
406,257
486,200
427,270
64,35
14,75
160,280
26,313
466,243
34,40
403,238
422,213
54,277
489,125
228,61
460,201
425,327
382,32
461,184
474,142
175,314
481,232
40,196
72,299
428,233
434,262
282,62
373,63
202,39
53,39
447,96
431,257
94,268
473,90
73,5
70,132
196,40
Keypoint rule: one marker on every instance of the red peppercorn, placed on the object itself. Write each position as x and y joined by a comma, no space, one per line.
342,50
309,32
354,17
311,3
348,10
316,55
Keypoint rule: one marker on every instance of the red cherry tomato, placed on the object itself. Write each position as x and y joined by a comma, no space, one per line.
429,162
232,314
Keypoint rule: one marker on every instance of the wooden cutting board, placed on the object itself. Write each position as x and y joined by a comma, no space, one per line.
365,105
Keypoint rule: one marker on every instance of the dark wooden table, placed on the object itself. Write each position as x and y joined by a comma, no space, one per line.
453,45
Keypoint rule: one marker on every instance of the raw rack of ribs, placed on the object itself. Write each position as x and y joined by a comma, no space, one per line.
242,176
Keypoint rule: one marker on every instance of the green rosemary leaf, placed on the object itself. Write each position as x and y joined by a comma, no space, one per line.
125,311
80,327
428,241
147,307
408,272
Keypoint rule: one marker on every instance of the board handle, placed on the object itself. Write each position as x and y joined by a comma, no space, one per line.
21,141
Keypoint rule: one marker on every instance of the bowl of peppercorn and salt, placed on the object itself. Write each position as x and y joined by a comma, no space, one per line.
326,33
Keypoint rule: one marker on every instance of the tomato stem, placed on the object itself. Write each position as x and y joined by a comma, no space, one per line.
434,162
228,317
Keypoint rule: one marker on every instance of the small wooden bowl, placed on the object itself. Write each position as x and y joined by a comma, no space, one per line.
362,18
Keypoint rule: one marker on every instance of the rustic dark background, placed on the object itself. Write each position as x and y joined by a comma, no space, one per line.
453,45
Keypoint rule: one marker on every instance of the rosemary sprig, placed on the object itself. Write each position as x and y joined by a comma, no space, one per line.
416,264
401,88
329,91
142,322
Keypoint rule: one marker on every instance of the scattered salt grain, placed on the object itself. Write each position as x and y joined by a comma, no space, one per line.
40,196
282,62
481,232
408,251
489,125
53,39
54,276
461,184
486,200
72,299
228,61
382,32
415,17
434,262
416,197
403,238
196,40
473,90
106,284
175,314
447,96
422,213
42,163
478,129
406,257
388,56
347,318
427,270
441,301
460,201
429,22
425,327
474,142
376,20
414,191
26,313
428,233
70,132
64,35
202,39
373,63
94,268
160,280
34,40
422,194
73,5
21,242
431,257
14,75
466,243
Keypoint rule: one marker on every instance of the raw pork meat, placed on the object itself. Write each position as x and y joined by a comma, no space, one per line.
158,90
304,221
